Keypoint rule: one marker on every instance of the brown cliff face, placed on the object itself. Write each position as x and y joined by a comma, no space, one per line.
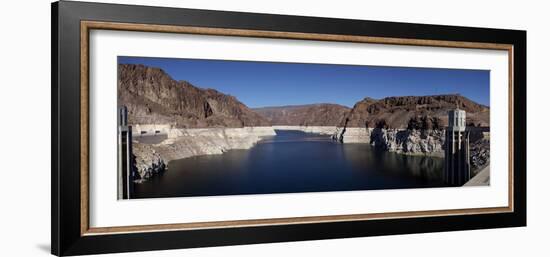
418,112
153,97
304,115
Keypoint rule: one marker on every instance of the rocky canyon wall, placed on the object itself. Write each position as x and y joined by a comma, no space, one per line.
175,119
426,142
406,141
183,143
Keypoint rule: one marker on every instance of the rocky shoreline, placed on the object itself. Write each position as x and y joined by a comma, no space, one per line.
404,141
152,159
413,142
174,119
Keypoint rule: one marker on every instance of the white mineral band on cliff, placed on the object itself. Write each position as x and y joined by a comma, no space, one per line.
184,143
324,130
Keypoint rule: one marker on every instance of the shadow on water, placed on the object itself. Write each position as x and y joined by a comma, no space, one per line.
292,162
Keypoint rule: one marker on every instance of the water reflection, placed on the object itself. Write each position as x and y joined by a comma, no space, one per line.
290,162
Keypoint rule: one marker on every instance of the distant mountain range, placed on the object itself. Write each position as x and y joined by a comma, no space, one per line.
304,115
153,97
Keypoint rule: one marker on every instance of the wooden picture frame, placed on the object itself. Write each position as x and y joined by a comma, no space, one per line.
71,25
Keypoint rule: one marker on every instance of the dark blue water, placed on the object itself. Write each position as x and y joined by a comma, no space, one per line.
291,162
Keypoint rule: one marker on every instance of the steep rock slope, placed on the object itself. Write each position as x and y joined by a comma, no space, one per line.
153,97
423,112
408,124
195,121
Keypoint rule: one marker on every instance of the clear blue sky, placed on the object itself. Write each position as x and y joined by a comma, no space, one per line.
259,84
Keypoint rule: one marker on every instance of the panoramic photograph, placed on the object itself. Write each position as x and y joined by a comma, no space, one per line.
197,127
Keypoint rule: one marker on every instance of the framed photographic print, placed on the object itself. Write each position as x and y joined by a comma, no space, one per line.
177,128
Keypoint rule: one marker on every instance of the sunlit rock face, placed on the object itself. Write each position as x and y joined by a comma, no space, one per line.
413,112
153,97
189,120
409,141
184,143
407,124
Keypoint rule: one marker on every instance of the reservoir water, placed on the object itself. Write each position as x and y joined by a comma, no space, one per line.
291,162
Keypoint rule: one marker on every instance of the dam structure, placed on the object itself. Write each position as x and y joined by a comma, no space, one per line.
124,144
457,149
